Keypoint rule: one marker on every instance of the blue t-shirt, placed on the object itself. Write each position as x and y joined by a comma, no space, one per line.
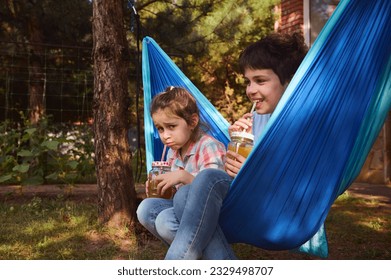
259,123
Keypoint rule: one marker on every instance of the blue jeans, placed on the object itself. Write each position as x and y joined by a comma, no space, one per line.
157,215
197,207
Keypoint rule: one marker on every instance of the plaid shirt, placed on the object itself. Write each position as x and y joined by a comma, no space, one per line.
207,152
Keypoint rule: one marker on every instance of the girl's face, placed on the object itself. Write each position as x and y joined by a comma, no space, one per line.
265,88
173,130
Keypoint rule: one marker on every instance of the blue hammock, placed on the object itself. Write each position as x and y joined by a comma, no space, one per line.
159,72
316,140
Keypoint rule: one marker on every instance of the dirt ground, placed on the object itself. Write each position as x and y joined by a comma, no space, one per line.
367,191
89,192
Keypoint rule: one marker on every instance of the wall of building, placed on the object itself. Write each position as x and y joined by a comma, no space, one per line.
291,19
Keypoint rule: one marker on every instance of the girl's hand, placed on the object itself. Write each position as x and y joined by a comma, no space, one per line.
243,124
233,163
173,178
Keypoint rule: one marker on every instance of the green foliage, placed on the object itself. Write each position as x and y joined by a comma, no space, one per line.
210,35
49,43
37,154
205,36
60,22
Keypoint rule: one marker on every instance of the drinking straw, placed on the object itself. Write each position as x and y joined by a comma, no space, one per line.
252,111
164,152
253,107
237,147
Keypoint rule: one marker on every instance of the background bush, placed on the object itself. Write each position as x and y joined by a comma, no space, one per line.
46,153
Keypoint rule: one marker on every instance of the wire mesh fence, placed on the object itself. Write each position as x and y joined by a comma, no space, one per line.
65,76
65,73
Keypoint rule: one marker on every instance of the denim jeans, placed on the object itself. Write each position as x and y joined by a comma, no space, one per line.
197,207
148,213
157,215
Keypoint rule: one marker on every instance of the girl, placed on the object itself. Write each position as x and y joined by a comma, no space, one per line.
176,116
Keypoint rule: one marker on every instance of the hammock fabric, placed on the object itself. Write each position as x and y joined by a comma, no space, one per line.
317,138
320,134
159,72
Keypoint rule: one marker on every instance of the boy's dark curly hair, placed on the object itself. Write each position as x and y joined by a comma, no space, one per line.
280,52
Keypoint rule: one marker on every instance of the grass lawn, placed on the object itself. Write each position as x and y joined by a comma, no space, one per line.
60,228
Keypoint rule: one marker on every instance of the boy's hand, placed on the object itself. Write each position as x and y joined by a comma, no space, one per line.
147,188
243,124
233,163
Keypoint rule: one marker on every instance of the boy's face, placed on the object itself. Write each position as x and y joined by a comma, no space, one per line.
265,88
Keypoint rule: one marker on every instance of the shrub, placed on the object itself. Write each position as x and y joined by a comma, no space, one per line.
43,153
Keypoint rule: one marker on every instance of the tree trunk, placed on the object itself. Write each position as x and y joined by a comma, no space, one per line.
36,76
116,192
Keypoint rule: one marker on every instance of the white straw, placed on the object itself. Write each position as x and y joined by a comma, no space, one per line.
252,110
164,152
253,107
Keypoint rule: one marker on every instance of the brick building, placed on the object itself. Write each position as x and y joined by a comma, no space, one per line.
308,17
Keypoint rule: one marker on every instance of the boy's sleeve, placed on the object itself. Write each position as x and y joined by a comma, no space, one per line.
212,155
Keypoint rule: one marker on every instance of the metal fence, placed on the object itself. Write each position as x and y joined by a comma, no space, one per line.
66,75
